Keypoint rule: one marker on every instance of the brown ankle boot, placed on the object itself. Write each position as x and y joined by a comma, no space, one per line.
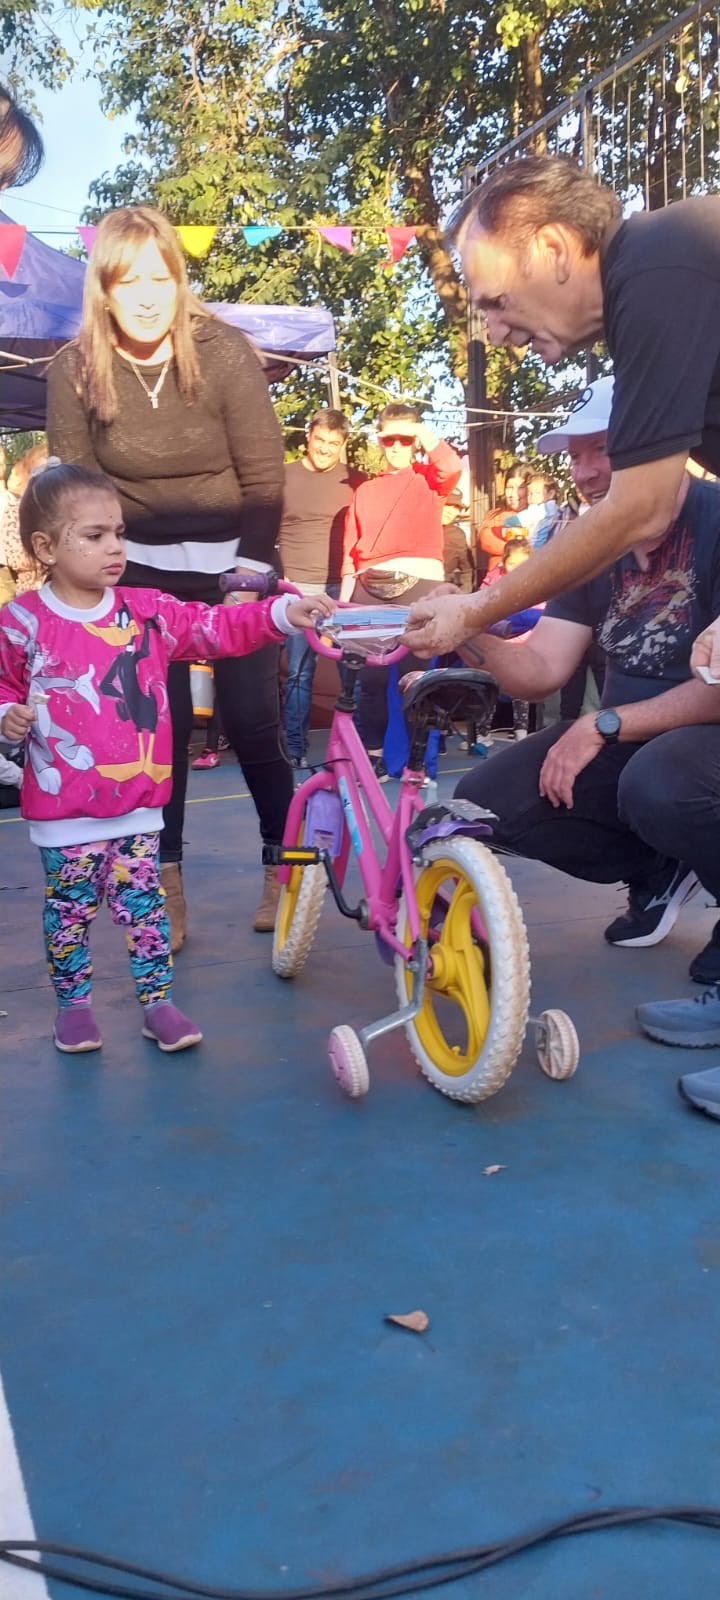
264,919
171,880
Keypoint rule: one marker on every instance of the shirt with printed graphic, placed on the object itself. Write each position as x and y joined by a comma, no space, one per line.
99,753
646,620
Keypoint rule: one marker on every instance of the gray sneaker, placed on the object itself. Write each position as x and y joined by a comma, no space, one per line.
702,1090
692,1023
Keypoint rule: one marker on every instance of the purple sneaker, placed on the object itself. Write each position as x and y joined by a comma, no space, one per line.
76,1029
168,1027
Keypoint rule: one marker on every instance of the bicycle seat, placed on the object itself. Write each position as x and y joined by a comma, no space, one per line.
460,694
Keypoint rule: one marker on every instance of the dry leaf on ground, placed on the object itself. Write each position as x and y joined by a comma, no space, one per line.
416,1321
488,1171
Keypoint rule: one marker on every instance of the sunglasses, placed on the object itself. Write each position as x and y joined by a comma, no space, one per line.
396,438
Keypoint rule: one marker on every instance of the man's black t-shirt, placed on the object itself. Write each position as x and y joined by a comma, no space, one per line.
646,621
313,522
661,297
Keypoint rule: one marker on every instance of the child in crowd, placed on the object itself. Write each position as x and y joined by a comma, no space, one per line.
83,677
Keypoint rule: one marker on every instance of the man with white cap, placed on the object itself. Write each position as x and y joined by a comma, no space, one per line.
607,797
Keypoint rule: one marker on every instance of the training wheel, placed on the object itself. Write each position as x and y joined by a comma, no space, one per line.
557,1044
347,1059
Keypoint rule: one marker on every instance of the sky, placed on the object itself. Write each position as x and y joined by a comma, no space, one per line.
81,143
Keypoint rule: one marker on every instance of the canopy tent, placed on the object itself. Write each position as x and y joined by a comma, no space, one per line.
40,310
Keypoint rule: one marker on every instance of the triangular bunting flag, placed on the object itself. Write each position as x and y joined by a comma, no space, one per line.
399,239
257,234
87,237
12,239
196,239
341,237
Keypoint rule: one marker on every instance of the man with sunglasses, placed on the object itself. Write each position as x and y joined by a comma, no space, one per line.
393,548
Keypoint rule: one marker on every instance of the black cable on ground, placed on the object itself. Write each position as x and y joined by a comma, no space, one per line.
409,1577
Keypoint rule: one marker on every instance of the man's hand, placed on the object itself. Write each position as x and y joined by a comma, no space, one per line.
16,722
706,652
567,758
424,437
302,613
438,623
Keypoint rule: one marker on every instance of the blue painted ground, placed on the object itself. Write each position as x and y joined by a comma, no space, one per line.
198,1252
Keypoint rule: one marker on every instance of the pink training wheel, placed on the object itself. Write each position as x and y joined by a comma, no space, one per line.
347,1059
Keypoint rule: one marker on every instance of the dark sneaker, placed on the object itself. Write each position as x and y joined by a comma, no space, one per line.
75,1030
705,967
299,762
168,1027
380,769
653,909
702,1090
692,1023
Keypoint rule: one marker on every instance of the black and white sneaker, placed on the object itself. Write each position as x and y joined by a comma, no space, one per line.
653,909
705,967
379,768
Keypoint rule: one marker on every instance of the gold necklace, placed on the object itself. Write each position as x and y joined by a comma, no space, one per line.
152,394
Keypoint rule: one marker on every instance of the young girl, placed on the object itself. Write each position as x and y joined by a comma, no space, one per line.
83,674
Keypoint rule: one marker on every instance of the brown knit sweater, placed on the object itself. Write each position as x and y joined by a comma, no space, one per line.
206,471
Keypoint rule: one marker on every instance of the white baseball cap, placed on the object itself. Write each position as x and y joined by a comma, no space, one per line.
590,414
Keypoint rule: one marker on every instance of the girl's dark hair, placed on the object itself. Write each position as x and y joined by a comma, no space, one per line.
517,542
42,506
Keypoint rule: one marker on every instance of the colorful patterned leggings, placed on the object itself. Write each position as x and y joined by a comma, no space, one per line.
78,876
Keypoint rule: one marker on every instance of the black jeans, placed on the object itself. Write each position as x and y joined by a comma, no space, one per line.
372,711
247,694
636,807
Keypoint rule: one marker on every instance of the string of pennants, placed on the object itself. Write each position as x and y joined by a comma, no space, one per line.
197,239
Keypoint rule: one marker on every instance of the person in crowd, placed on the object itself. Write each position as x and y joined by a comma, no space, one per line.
21,147
543,509
393,542
83,678
10,780
607,798
318,490
23,568
696,1023
457,555
215,743
583,438
492,532
7,582
517,550
549,258
172,403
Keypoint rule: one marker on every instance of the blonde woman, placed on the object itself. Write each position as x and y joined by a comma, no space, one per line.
173,405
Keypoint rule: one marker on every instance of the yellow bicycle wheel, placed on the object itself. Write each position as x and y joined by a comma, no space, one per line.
297,917
470,1029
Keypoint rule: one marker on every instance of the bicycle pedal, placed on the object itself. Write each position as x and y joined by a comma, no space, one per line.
274,855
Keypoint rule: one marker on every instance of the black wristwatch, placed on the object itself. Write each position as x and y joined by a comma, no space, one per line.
608,725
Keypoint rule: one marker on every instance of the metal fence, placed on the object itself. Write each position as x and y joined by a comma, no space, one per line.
649,126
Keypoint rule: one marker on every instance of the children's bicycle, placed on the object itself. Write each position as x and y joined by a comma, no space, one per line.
441,907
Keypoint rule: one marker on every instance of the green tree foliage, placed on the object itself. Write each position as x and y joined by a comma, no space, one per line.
31,50
360,111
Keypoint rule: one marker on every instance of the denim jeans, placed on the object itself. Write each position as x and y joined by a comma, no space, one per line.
636,807
301,659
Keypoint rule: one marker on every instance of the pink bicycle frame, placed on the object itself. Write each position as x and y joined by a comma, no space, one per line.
347,771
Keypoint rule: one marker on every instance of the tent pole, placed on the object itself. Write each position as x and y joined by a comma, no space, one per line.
333,381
